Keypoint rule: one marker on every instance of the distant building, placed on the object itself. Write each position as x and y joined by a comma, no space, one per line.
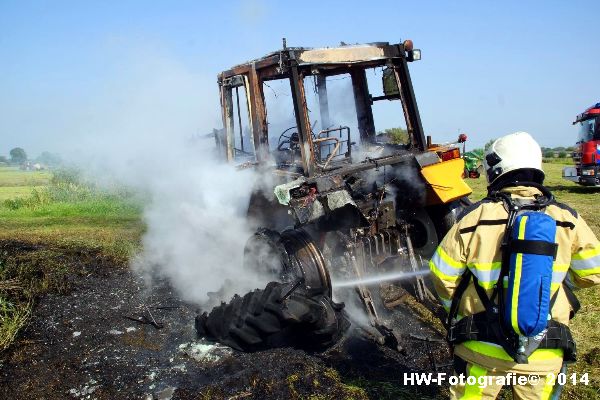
29,166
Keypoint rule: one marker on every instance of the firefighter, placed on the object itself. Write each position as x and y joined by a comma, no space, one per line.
472,258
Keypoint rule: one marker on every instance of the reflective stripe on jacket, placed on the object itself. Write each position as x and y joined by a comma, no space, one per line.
474,243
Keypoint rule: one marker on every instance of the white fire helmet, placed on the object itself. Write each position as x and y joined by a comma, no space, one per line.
511,152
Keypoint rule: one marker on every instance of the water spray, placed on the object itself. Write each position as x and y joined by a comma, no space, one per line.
393,276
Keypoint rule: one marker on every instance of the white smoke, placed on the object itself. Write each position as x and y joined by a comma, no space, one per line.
197,227
148,131
138,132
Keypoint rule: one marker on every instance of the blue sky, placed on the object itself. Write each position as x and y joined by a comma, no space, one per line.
79,74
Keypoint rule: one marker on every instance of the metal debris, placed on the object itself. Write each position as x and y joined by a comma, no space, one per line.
143,319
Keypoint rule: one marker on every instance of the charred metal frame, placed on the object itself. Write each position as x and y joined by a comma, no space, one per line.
295,64
363,215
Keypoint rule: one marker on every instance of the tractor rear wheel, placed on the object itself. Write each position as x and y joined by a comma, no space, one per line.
295,310
274,317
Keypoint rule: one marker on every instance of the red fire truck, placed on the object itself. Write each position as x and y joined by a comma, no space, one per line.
587,153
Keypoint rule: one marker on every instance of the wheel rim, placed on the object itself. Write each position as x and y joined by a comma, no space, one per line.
288,257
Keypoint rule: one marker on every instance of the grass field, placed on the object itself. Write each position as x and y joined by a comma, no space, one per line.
16,183
64,216
34,206
14,177
60,216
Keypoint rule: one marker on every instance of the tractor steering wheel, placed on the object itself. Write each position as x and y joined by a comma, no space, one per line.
290,138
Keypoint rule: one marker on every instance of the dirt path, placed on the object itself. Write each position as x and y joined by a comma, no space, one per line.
82,345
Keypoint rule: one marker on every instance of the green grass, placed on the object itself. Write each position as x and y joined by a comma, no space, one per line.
585,325
14,192
53,226
65,210
13,176
13,316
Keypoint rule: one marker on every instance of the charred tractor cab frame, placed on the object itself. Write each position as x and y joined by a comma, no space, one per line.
341,209
295,64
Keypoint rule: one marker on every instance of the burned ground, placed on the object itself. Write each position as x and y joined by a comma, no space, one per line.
75,268
84,342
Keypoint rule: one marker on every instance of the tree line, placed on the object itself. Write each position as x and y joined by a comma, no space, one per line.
547,152
18,156
400,136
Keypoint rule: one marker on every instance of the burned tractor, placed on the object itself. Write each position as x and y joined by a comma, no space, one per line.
351,202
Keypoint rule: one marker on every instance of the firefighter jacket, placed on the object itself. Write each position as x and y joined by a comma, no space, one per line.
474,243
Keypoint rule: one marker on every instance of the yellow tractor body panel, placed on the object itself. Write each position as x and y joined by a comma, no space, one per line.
445,179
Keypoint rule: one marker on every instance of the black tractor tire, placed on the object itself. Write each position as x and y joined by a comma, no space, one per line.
271,317
445,216
423,233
